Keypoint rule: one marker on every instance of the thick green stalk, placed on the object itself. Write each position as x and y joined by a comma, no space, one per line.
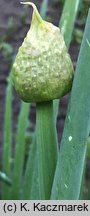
7,137
19,153
68,176
46,148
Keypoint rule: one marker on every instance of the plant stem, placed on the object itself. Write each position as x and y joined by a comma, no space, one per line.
46,148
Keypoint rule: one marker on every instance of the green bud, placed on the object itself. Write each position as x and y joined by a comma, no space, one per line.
42,70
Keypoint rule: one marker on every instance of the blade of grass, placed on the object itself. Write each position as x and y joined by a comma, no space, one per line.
55,109
68,176
83,181
67,20
66,25
7,137
35,181
5,179
19,153
46,148
29,171
43,8
34,186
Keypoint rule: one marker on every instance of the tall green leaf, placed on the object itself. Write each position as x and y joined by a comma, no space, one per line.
7,137
43,8
66,25
19,153
67,20
28,178
70,164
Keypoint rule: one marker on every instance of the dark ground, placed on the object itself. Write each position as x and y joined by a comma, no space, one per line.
14,24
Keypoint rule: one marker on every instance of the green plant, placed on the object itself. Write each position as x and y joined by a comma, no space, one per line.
7,50
50,173
75,136
43,9
7,138
78,35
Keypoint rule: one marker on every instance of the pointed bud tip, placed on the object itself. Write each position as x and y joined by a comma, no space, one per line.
29,3
34,8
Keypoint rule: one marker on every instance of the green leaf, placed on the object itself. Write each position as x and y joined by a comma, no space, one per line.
28,178
7,137
67,20
19,153
43,9
68,176
66,25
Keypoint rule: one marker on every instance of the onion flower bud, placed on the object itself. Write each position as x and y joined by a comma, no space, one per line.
42,70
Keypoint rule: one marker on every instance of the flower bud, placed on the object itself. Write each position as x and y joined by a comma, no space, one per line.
42,70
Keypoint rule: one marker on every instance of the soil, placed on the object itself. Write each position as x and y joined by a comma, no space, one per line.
14,33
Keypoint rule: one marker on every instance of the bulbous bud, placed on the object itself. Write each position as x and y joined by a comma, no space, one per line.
43,69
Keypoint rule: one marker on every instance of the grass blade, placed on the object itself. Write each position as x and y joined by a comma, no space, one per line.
7,137
43,9
46,148
67,20
19,154
66,25
27,187
5,179
71,159
35,182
